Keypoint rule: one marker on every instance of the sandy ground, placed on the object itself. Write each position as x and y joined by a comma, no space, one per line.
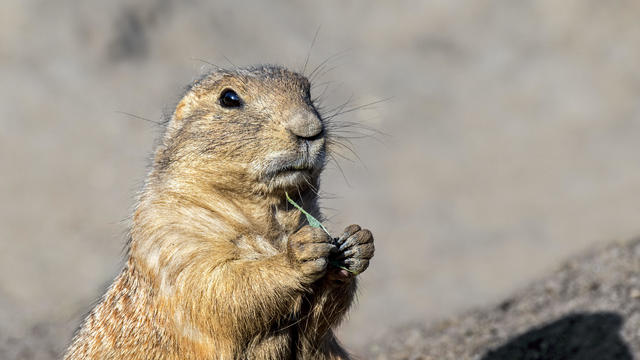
508,140
588,309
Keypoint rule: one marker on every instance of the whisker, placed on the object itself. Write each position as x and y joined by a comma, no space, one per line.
359,107
300,195
313,42
343,156
330,58
207,62
158,123
229,61
322,72
332,112
311,187
339,168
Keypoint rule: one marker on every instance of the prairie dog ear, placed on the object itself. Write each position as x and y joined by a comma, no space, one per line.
197,97
185,106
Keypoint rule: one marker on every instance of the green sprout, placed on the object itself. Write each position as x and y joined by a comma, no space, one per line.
313,222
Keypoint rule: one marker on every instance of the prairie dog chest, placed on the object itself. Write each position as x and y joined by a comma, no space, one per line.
272,239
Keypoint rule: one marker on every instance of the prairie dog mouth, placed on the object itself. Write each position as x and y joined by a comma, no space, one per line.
286,164
284,167
303,167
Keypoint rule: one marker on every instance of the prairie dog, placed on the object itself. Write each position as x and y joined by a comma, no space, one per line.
219,265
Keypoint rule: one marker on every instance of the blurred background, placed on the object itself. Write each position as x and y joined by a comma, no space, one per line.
507,142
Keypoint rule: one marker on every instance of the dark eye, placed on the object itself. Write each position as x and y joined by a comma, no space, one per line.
229,99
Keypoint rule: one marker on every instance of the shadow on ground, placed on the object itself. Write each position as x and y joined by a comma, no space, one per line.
582,336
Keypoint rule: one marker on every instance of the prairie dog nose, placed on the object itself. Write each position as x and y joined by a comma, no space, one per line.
304,124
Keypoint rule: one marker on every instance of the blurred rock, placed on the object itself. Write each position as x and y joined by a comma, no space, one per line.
586,310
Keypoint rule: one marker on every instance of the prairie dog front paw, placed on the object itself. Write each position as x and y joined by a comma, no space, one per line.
308,249
354,249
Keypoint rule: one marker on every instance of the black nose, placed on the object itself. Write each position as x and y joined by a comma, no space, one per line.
304,124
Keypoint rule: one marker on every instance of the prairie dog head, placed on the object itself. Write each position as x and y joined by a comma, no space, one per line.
252,129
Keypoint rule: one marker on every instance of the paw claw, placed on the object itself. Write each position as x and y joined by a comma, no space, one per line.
355,249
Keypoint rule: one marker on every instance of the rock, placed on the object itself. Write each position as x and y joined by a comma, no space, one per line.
588,309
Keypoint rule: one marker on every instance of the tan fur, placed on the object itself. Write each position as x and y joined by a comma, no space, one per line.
219,265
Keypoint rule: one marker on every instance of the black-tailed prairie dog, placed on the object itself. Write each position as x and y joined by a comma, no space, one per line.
219,265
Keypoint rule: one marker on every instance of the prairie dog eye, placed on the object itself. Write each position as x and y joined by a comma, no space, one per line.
229,99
